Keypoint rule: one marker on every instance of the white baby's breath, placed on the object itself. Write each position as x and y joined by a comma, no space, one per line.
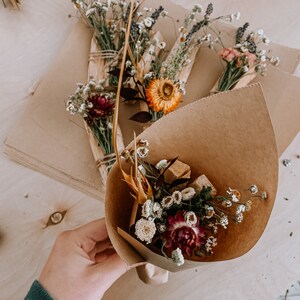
177,257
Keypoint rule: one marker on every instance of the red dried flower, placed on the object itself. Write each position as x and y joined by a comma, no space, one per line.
102,106
182,235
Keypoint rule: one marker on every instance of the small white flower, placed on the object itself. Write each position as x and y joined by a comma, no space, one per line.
90,105
161,227
142,152
145,230
245,69
157,210
177,257
234,198
235,17
266,40
253,189
148,75
263,58
227,203
239,218
209,211
275,61
164,13
190,218
197,8
224,221
264,195
128,64
240,209
86,90
82,108
260,32
177,197
244,49
161,164
147,209
148,22
188,193
162,45
167,202
139,14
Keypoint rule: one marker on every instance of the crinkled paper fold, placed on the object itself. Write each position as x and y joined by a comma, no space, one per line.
228,137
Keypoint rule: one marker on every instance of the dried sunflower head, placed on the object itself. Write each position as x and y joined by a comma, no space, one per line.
163,95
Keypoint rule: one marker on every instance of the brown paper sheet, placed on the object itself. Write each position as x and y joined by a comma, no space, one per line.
63,150
228,137
47,138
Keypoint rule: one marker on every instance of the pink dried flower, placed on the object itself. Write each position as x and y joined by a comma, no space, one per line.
179,234
229,54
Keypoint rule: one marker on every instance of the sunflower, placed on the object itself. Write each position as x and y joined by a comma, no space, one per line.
163,95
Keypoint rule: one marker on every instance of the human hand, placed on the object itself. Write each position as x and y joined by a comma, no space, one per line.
82,264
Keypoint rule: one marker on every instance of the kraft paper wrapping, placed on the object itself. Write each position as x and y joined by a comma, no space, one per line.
228,137
63,151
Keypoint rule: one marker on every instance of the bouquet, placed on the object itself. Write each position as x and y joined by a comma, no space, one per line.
203,194
246,59
161,87
176,217
94,101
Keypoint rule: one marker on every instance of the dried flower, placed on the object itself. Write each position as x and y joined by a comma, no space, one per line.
239,218
145,230
157,210
177,257
253,189
227,203
188,193
240,209
102,106
224,221
181,235
209,211
147,209
161,164
142,152
163,95
177,197
167,202
210,243
264,195
190,218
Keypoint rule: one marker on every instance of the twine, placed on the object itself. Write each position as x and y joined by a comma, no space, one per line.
103,54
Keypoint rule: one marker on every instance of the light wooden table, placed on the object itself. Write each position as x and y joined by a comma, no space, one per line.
29,40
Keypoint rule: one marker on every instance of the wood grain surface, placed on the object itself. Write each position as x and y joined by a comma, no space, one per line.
29,40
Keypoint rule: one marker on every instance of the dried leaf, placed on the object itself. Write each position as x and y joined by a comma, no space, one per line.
128,93
141,117
179,181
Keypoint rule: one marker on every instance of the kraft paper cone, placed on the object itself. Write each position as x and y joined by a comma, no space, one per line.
228,137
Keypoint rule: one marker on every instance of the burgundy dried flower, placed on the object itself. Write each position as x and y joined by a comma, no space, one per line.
102,106
180,234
